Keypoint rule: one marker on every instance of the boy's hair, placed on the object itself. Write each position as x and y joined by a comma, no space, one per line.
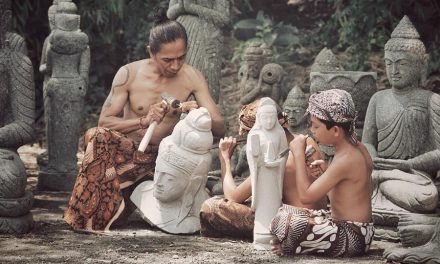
165,31
329,124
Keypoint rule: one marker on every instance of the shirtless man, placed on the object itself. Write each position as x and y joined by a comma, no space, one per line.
232,216
348,229
112,166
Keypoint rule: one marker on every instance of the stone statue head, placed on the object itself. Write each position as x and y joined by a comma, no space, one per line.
267,116
66,7
325,61
254,57
406,60
295,106
67,22
173,201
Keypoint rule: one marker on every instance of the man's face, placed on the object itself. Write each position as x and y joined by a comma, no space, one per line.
169,187
170,57
294,115
403,69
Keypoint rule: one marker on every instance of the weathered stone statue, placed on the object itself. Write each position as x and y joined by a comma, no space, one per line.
257,77
173,201
326,61
68,61
295,107
265,142
402,133
17,108
203,21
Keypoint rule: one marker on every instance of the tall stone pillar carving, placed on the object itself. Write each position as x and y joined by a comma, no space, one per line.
68,61
17,108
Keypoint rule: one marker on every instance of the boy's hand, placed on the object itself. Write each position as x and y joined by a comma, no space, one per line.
298,144
315,167
227,146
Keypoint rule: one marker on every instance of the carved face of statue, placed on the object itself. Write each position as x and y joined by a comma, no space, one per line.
254,68
294,115
170,58
267,117
168,186
403,69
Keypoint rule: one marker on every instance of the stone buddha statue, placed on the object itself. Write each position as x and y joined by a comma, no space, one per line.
326,61
265,141
67,67
257,77
173,200
402,131
17,108
295,107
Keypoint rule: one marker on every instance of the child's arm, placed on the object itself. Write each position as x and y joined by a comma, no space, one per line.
231,191
311,191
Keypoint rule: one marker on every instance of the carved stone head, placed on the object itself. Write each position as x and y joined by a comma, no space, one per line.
254,57
326,61
267,115
405,56
295,106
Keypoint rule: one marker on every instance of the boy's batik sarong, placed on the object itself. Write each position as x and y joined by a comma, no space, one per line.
305,231
111,165
220,217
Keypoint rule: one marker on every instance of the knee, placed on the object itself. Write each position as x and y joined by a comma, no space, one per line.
426,198
13,175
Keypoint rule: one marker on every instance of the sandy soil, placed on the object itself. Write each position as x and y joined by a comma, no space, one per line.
52,241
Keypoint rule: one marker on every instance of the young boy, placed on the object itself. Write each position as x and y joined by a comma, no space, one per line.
348,229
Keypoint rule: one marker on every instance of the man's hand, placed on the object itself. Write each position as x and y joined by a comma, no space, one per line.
391,164
227,146
185,107
157,112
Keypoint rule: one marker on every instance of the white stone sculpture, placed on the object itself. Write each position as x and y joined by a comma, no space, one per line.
266,141
173,200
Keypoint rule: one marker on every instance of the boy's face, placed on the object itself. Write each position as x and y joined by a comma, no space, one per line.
320,131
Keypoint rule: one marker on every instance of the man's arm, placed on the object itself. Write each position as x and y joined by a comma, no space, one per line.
311,191
204,99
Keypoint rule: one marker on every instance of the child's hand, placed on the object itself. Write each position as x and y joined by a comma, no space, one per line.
315,167
298,144
227,146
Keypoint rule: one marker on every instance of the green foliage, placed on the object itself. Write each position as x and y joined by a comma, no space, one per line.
281,38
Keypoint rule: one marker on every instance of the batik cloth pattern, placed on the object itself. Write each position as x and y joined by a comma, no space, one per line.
220,217
306,231
334,105
111,165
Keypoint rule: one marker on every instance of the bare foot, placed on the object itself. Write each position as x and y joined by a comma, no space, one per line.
276,247
416,230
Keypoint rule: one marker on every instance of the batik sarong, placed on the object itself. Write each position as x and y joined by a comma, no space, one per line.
110,166
220,217
305,231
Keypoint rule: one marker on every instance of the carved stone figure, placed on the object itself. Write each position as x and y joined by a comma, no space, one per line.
173,201
68,61
295,107
265,142
402,133
17,108
203,21
326,61
257,77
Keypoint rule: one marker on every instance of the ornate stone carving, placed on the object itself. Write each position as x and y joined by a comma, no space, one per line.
402,134
203,21
17,107
295,107
265,142
173,201
257,77
67,67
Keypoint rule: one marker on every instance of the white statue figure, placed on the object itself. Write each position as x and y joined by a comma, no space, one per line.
173,201
265,142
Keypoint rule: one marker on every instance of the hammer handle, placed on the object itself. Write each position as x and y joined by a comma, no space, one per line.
147,137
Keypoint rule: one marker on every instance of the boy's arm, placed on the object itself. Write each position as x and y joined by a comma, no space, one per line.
311,191
204,99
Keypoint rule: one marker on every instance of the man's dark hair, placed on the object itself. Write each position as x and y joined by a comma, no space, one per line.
329,124
165,31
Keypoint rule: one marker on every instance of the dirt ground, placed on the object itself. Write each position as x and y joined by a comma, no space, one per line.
52,241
